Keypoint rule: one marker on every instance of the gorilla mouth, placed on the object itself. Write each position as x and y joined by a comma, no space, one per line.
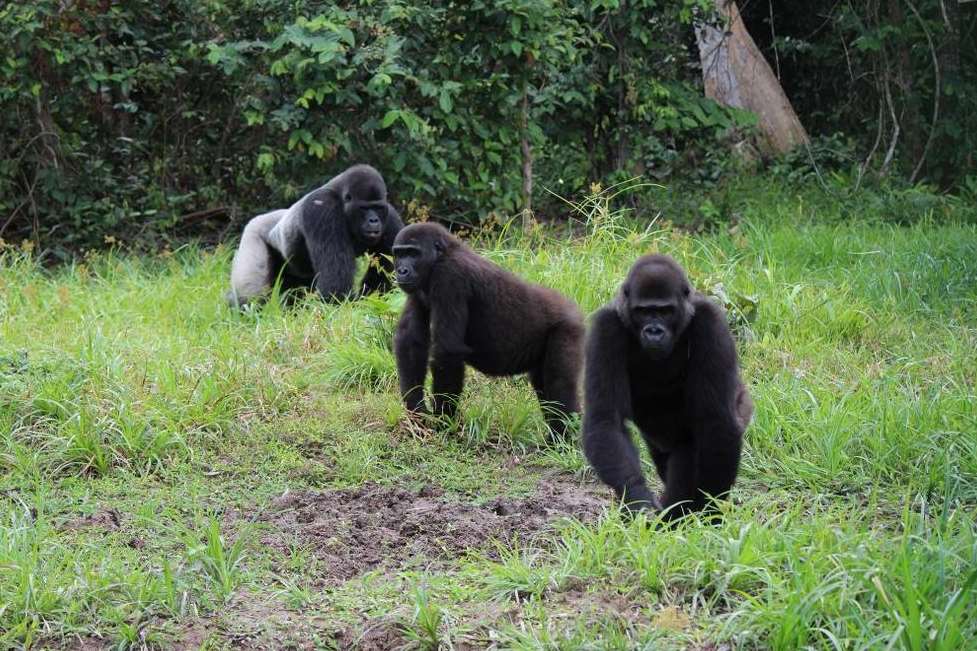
372,236
408,287
656,352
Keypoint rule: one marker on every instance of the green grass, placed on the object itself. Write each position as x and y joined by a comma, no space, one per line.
145,430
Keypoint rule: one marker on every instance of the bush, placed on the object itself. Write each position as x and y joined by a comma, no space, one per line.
138,120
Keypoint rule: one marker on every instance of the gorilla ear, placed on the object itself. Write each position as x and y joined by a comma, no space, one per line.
620,304
439,246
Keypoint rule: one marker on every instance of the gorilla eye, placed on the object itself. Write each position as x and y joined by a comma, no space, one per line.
655,310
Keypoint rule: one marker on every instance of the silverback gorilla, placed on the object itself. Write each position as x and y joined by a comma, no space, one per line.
315,243
463,309
662,357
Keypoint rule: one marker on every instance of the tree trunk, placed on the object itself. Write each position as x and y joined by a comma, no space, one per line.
735,74
910,116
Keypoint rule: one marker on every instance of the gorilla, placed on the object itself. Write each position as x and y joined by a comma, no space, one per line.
463,309
662,357
315,243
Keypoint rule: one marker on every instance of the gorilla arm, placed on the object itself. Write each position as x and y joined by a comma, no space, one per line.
449,314
330,251
607,394
412,344
718,406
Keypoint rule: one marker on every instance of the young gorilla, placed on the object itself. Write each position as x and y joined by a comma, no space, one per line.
315,243
662,357
462,309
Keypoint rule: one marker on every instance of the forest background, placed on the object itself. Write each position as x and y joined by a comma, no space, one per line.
147,122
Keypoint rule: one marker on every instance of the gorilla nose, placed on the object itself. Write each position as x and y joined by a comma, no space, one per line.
654,332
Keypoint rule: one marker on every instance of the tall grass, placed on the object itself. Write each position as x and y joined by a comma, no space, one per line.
125,383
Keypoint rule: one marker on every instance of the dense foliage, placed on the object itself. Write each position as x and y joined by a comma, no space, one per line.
140,118
899,77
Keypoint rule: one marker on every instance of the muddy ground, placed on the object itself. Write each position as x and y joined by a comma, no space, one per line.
356,530
373,527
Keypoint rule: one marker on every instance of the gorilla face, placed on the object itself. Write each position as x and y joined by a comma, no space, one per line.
655,304
416,249
364,200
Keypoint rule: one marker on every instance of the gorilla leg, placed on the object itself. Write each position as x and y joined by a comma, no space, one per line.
447,382
681,486
255,267
718,464
556,379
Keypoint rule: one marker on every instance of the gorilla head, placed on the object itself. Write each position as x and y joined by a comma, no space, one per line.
416,250
654,303
364,199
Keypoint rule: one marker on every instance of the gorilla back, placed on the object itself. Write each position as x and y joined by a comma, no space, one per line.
315,243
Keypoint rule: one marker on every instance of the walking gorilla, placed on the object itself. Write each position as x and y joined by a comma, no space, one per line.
662,357
463,309
315,242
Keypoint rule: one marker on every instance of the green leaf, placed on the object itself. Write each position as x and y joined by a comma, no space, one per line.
389,118
445,102
266,161
346,35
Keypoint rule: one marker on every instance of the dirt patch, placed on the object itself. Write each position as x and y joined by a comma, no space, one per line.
246,621
579,602
356,530
83,644
381,634
192,637
106,520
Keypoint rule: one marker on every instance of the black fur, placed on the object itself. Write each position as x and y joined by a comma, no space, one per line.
463,309
661,356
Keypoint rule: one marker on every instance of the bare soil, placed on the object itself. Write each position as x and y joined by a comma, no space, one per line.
356,530
379,634
105,519
375,527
